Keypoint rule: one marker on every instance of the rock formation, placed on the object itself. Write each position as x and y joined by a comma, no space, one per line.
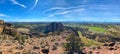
54,26
7,28
1,26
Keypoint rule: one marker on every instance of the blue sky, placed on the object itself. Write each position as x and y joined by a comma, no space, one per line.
60,10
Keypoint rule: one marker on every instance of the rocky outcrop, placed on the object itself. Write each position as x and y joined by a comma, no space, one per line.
54,26
1,26
7,28
109,44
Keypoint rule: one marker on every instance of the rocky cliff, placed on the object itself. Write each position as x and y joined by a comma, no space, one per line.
54,26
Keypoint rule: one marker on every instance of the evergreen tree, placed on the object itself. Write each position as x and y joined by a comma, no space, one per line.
73,44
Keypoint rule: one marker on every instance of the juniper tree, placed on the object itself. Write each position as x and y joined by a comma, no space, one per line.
73,43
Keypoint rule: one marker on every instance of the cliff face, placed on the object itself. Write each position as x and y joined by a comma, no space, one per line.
7,28
54,26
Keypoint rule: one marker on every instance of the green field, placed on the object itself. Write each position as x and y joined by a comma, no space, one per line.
90,42
80,34
98,29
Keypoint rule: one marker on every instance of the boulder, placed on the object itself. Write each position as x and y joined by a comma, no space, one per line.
111,48
112,44
45,51
105,44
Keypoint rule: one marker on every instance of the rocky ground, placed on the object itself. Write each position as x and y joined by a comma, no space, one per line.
105,49
33,45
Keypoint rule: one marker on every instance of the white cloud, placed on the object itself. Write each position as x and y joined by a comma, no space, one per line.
17,3
55,8
64,8
3,15
36,2
67,11
75,11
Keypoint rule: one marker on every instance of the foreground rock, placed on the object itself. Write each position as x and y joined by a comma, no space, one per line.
107,48
1,26
7,28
